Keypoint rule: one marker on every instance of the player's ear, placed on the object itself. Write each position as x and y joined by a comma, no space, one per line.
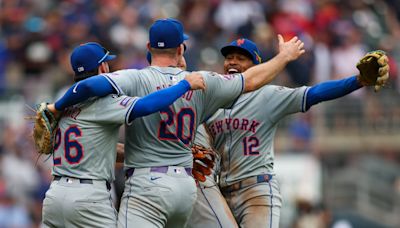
148,46
181,49
104,68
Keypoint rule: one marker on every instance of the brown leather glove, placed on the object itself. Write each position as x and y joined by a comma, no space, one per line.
203,162
374,69
44,129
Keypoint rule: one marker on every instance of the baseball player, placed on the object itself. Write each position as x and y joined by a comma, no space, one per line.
85,145
210,208
244,135
159,190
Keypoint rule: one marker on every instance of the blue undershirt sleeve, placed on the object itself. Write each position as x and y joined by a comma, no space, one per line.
159,100
96,86
330,90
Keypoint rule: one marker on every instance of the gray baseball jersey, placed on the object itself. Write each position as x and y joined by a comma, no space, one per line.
163,138
154,199
85,143
245,133
84,160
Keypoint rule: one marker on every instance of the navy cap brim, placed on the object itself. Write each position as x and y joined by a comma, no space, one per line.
227,49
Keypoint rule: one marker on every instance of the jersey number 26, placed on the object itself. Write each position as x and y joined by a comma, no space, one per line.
70,145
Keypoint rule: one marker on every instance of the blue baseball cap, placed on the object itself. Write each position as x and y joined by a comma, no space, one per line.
89,56
166,33
246,45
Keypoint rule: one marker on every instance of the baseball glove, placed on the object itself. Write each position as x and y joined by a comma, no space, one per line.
44,129
374,69
203,162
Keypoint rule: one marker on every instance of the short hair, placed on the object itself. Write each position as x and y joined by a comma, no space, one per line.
86,74
165,51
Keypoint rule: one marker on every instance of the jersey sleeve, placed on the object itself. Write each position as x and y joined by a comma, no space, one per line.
114,109
282,101
222,90
124,81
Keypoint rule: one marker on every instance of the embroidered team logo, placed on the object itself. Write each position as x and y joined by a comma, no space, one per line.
228,76
240,42
223,76
125,101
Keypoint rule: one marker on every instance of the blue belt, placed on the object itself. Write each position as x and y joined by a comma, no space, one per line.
84,181
160,169
247,182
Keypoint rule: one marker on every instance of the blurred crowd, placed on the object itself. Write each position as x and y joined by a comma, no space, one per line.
37,36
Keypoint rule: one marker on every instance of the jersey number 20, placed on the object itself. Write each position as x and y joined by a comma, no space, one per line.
177,120
69,145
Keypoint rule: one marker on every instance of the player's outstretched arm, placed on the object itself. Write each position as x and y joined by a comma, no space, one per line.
374,71
96,86
330,90
161,99
262,74
99,86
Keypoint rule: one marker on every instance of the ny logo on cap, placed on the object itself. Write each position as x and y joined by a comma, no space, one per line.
240,42
160,44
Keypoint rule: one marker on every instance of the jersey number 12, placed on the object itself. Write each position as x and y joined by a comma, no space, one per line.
250,145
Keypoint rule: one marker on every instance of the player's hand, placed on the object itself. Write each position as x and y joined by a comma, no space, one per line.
52,109
292,49
196,81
